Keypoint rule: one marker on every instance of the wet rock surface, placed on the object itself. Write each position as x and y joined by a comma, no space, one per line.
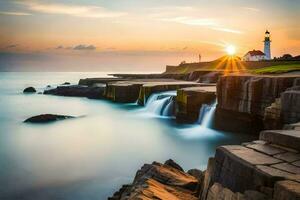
29,90
45,118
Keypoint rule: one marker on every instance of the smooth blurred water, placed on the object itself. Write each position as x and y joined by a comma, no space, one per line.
92,156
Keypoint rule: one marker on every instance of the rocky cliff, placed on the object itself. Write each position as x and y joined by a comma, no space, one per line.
242,102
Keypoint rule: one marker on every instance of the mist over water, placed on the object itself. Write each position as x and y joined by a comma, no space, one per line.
88,157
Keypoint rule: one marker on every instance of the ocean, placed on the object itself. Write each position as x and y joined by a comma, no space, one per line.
91,156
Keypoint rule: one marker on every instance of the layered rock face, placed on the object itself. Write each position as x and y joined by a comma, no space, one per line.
269,167
77,91
161,181
242,101
122,92
290,105
190,100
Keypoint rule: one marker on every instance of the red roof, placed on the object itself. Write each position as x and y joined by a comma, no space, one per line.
255,53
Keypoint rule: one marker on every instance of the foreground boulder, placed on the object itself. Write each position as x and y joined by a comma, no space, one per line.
44,118
160,181
77,91
29,90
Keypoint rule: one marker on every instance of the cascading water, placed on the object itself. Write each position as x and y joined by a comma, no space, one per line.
168,110
161,103
206,114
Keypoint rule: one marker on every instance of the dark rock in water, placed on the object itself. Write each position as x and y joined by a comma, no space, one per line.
40,93
48,86
66,83
44,118
29,90
77,91
173,164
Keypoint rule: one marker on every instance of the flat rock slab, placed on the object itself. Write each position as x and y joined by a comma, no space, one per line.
295,126
287,190
207,88
92,81
249,155
271,172
288,156
266,149
236,168
259,142
287,138
287,167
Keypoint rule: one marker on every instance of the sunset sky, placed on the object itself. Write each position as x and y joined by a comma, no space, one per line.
139,35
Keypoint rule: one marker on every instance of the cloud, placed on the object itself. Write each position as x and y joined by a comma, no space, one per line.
251,9
228,30
11,46
191,21
71,10
77,47
84,47
60,47
14,13
207,22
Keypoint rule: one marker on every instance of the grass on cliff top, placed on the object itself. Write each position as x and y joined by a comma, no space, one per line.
277,69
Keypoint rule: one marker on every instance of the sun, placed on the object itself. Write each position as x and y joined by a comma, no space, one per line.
231,50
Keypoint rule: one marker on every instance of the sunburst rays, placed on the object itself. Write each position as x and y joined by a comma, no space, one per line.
230,64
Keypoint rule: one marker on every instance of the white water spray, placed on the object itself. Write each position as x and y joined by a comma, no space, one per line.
161,103
206,114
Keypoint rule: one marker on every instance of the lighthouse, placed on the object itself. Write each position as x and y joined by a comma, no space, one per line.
267,47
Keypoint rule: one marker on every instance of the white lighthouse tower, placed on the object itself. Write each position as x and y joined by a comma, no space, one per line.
267,48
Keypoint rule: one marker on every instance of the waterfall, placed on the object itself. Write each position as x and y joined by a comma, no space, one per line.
161,103
168,110
206,114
